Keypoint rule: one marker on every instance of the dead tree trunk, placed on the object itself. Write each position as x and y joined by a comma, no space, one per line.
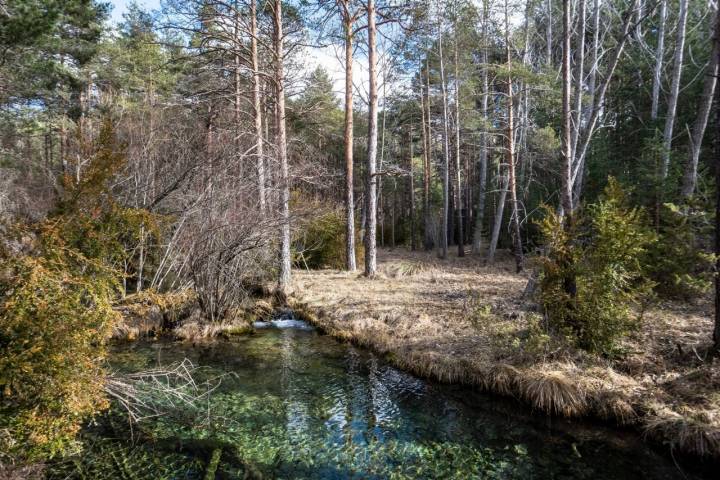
579,73
659,51
549,34
674,90
497,222
703,113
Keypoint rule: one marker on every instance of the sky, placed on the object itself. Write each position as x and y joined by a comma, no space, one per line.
120,7
326,57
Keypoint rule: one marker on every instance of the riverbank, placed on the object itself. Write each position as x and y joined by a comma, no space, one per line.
460,321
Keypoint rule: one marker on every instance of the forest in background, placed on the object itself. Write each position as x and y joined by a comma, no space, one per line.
193,149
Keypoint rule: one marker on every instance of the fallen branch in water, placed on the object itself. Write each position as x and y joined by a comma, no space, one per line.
156,392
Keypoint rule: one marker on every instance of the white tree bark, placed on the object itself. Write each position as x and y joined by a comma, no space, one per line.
579,74
674,88
701,121
567,154
497,221
659,52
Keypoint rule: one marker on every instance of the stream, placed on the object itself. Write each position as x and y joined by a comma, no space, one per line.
289,403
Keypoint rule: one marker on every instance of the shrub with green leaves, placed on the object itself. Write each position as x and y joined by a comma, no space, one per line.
320,242
679,263
592,277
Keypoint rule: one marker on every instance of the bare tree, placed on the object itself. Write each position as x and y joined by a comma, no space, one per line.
659,52
674,88
701,120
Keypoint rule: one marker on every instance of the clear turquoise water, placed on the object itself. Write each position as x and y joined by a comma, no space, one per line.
294,404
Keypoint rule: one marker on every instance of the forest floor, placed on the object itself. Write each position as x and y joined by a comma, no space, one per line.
457,320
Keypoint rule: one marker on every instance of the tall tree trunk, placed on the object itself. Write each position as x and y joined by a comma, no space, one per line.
257,107
427,231
674,89
281,140
659,51
512,183
446,155
594,59
349,193
579,73
371,180
480,210
237,94
548,34
458,167
716,330
703,113
411,186
566,197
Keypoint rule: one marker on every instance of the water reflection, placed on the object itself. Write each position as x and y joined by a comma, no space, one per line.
300,405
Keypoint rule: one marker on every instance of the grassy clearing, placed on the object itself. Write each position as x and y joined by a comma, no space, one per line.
460,321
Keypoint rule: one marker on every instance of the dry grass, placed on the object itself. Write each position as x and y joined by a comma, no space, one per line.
176,314
21,472
148,313
460,321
